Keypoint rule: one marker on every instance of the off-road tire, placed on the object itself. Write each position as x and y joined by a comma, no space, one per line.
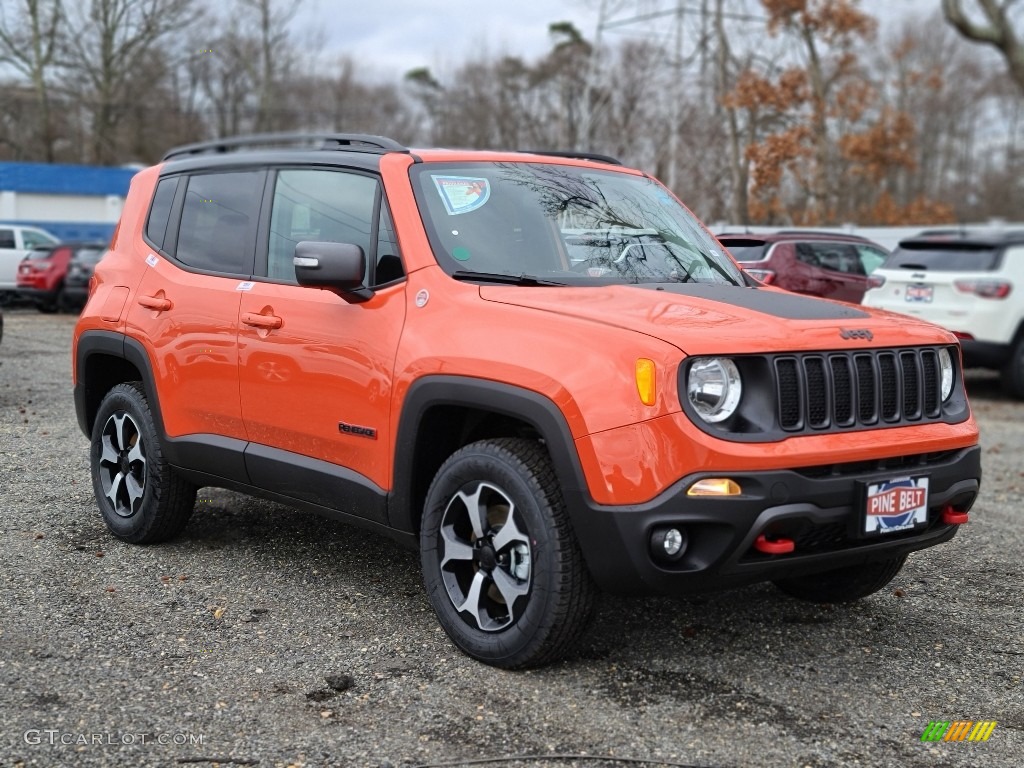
843,585
552,597
140,497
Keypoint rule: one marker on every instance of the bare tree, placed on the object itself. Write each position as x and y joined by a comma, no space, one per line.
30,46
997,29
111,42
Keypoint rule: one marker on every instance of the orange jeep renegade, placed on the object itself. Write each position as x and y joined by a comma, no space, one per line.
539,369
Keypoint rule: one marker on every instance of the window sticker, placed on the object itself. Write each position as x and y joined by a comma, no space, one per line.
462,194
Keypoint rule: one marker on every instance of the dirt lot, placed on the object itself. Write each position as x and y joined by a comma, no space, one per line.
223,646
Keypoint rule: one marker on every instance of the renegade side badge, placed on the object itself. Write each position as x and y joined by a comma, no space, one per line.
352,429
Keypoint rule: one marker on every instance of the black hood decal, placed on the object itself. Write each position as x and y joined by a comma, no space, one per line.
789,306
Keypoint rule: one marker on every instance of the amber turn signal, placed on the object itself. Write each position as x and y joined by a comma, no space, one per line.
645,381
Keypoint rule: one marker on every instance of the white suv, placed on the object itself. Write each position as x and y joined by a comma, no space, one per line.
15,243
971,284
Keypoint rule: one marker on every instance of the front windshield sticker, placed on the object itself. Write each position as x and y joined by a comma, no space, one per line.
462,194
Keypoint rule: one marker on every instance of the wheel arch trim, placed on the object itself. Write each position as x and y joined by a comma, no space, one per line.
525,405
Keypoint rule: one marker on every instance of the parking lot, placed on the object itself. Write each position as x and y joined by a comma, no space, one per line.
266,636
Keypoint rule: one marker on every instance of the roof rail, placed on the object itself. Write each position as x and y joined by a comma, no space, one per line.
358,142
575,155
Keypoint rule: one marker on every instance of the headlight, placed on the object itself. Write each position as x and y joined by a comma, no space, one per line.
714,388
946,373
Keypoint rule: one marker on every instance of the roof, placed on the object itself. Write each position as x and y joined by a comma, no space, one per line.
63,179
967,238
809,235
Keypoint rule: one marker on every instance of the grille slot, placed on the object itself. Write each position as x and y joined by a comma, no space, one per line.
853,390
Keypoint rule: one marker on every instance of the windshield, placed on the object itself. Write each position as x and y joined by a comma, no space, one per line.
564,224
938,257
89,255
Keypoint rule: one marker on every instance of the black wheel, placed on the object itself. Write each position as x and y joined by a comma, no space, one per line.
51,303
843,585
140,497
1013,371
501,565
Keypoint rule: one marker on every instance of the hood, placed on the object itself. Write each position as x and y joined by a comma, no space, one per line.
704,319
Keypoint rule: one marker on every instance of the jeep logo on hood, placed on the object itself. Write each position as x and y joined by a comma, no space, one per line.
856,333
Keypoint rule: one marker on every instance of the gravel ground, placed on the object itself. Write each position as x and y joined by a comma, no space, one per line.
266,636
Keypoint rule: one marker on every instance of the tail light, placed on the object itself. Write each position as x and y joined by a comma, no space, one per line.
985,289
963,335
766,276
875,281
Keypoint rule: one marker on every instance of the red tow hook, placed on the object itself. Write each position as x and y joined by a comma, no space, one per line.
951,517
774,546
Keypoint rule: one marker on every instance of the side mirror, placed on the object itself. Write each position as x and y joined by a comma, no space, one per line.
338,267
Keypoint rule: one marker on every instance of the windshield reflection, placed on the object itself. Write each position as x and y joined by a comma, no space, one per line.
564,224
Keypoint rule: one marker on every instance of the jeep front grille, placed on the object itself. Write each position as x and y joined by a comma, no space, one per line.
853,390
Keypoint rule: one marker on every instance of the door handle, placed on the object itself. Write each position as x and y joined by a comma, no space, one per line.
155,303
261,321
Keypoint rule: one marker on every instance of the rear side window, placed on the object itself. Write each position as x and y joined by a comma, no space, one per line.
7,238
938,257
746,250
160,212
218,221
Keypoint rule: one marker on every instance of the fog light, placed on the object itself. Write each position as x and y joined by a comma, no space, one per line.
668,544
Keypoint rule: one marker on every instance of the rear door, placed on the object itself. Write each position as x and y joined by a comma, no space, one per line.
837,270
316,370
186,306
10,255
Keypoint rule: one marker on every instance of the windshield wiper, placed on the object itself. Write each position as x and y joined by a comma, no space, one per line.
498,277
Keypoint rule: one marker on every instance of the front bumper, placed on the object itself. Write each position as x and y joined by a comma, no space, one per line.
817,508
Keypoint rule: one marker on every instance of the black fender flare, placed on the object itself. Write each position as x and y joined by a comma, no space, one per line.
519,403
192,452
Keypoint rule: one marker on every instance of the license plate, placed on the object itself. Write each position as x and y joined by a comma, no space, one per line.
919,293
900,504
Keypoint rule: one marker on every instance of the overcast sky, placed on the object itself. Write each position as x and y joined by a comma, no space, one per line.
389,37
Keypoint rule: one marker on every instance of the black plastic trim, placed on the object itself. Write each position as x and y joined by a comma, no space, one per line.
758,418
521,404
721,531
316,482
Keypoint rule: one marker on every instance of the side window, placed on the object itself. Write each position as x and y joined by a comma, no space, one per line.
160,212
7,238
218,221
806,253
319,205
389,263
32,239
870,258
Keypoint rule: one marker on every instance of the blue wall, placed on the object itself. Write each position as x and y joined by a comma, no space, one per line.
56,179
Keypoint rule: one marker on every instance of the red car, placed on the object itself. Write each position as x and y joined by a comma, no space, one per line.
41,274
834,266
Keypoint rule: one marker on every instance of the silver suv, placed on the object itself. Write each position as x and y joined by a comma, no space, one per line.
969,283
